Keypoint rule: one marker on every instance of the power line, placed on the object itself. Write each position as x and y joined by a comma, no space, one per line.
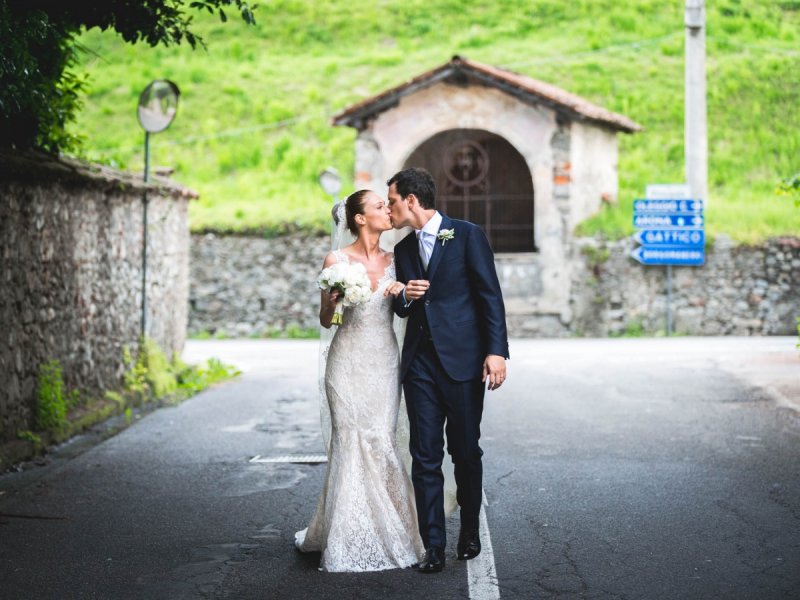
224,133
610,48
642,43
774,49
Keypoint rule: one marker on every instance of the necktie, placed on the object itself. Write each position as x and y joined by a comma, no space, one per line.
424,248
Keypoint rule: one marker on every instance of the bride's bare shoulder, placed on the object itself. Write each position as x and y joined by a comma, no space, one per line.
336,255
330,258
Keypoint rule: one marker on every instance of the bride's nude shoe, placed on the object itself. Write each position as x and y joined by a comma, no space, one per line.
433,561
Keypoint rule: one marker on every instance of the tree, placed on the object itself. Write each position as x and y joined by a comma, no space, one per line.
39,88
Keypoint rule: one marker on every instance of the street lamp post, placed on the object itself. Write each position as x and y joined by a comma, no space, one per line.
158,104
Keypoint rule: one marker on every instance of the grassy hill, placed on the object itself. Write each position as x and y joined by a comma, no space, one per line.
253,129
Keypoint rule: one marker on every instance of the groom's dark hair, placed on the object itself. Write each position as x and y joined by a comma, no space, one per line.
417,181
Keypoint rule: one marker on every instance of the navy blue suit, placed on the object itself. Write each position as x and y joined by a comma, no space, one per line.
450,331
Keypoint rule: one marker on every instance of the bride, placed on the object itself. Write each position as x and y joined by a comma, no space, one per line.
365,518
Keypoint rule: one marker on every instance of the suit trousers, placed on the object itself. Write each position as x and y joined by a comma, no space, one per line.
437,404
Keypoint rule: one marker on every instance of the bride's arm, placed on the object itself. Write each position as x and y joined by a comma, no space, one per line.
401,306
327,307
327,300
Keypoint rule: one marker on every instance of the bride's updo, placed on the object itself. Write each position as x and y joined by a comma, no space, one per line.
353,205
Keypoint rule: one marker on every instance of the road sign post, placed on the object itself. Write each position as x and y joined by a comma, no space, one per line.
670,228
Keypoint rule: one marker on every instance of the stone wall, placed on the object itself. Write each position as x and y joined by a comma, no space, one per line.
71,273
248,286
741,290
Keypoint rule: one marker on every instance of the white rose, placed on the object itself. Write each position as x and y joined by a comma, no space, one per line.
352,296
354,275
359,295
337,273
324,278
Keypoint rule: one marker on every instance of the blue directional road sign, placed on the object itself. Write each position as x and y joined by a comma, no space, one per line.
671,237
667,206
670,231
668,220
669,255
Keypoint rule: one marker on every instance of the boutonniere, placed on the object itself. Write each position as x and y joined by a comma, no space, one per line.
446,235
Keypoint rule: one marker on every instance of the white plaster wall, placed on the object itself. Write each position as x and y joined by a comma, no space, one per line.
594,170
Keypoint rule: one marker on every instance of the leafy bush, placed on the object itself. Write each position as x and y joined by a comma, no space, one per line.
31,437
51,404
39,88
194,379
153,375
39,92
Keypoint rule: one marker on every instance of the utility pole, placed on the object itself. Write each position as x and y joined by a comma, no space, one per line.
695,126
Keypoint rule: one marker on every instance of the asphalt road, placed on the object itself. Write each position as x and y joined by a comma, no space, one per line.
627,468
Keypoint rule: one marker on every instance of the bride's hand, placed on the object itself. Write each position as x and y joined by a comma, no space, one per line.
327,306
331,297
395,289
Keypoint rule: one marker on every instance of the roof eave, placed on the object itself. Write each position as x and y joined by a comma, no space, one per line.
359,114
532,97
364,110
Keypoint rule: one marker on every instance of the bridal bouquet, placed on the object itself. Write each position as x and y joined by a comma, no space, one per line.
351,280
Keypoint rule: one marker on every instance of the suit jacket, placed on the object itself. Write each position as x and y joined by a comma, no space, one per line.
463,308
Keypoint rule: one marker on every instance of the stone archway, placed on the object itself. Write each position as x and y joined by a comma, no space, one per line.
481,177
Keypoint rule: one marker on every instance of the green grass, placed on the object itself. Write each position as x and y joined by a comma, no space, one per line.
253,128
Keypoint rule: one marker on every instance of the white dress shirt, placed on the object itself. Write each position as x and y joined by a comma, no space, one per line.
426,237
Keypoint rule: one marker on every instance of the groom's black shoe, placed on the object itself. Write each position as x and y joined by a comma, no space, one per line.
433,561
469,544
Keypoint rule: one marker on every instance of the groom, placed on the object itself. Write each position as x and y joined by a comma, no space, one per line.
455,342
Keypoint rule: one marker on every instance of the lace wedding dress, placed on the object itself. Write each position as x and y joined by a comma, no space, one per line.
365,518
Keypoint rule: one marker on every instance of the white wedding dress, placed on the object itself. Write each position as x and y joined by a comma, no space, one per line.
365,518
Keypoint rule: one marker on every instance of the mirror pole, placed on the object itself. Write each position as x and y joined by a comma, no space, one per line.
144,233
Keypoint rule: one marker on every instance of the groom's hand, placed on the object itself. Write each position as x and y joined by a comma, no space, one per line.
416,288
494,369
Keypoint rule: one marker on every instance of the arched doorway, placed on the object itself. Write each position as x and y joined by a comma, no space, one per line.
481,177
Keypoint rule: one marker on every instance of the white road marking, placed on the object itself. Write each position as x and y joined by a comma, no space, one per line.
481,572
306,459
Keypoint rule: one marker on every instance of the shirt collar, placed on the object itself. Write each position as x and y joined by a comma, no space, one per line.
432,226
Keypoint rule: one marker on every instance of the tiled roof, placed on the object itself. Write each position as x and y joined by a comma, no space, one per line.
521,86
